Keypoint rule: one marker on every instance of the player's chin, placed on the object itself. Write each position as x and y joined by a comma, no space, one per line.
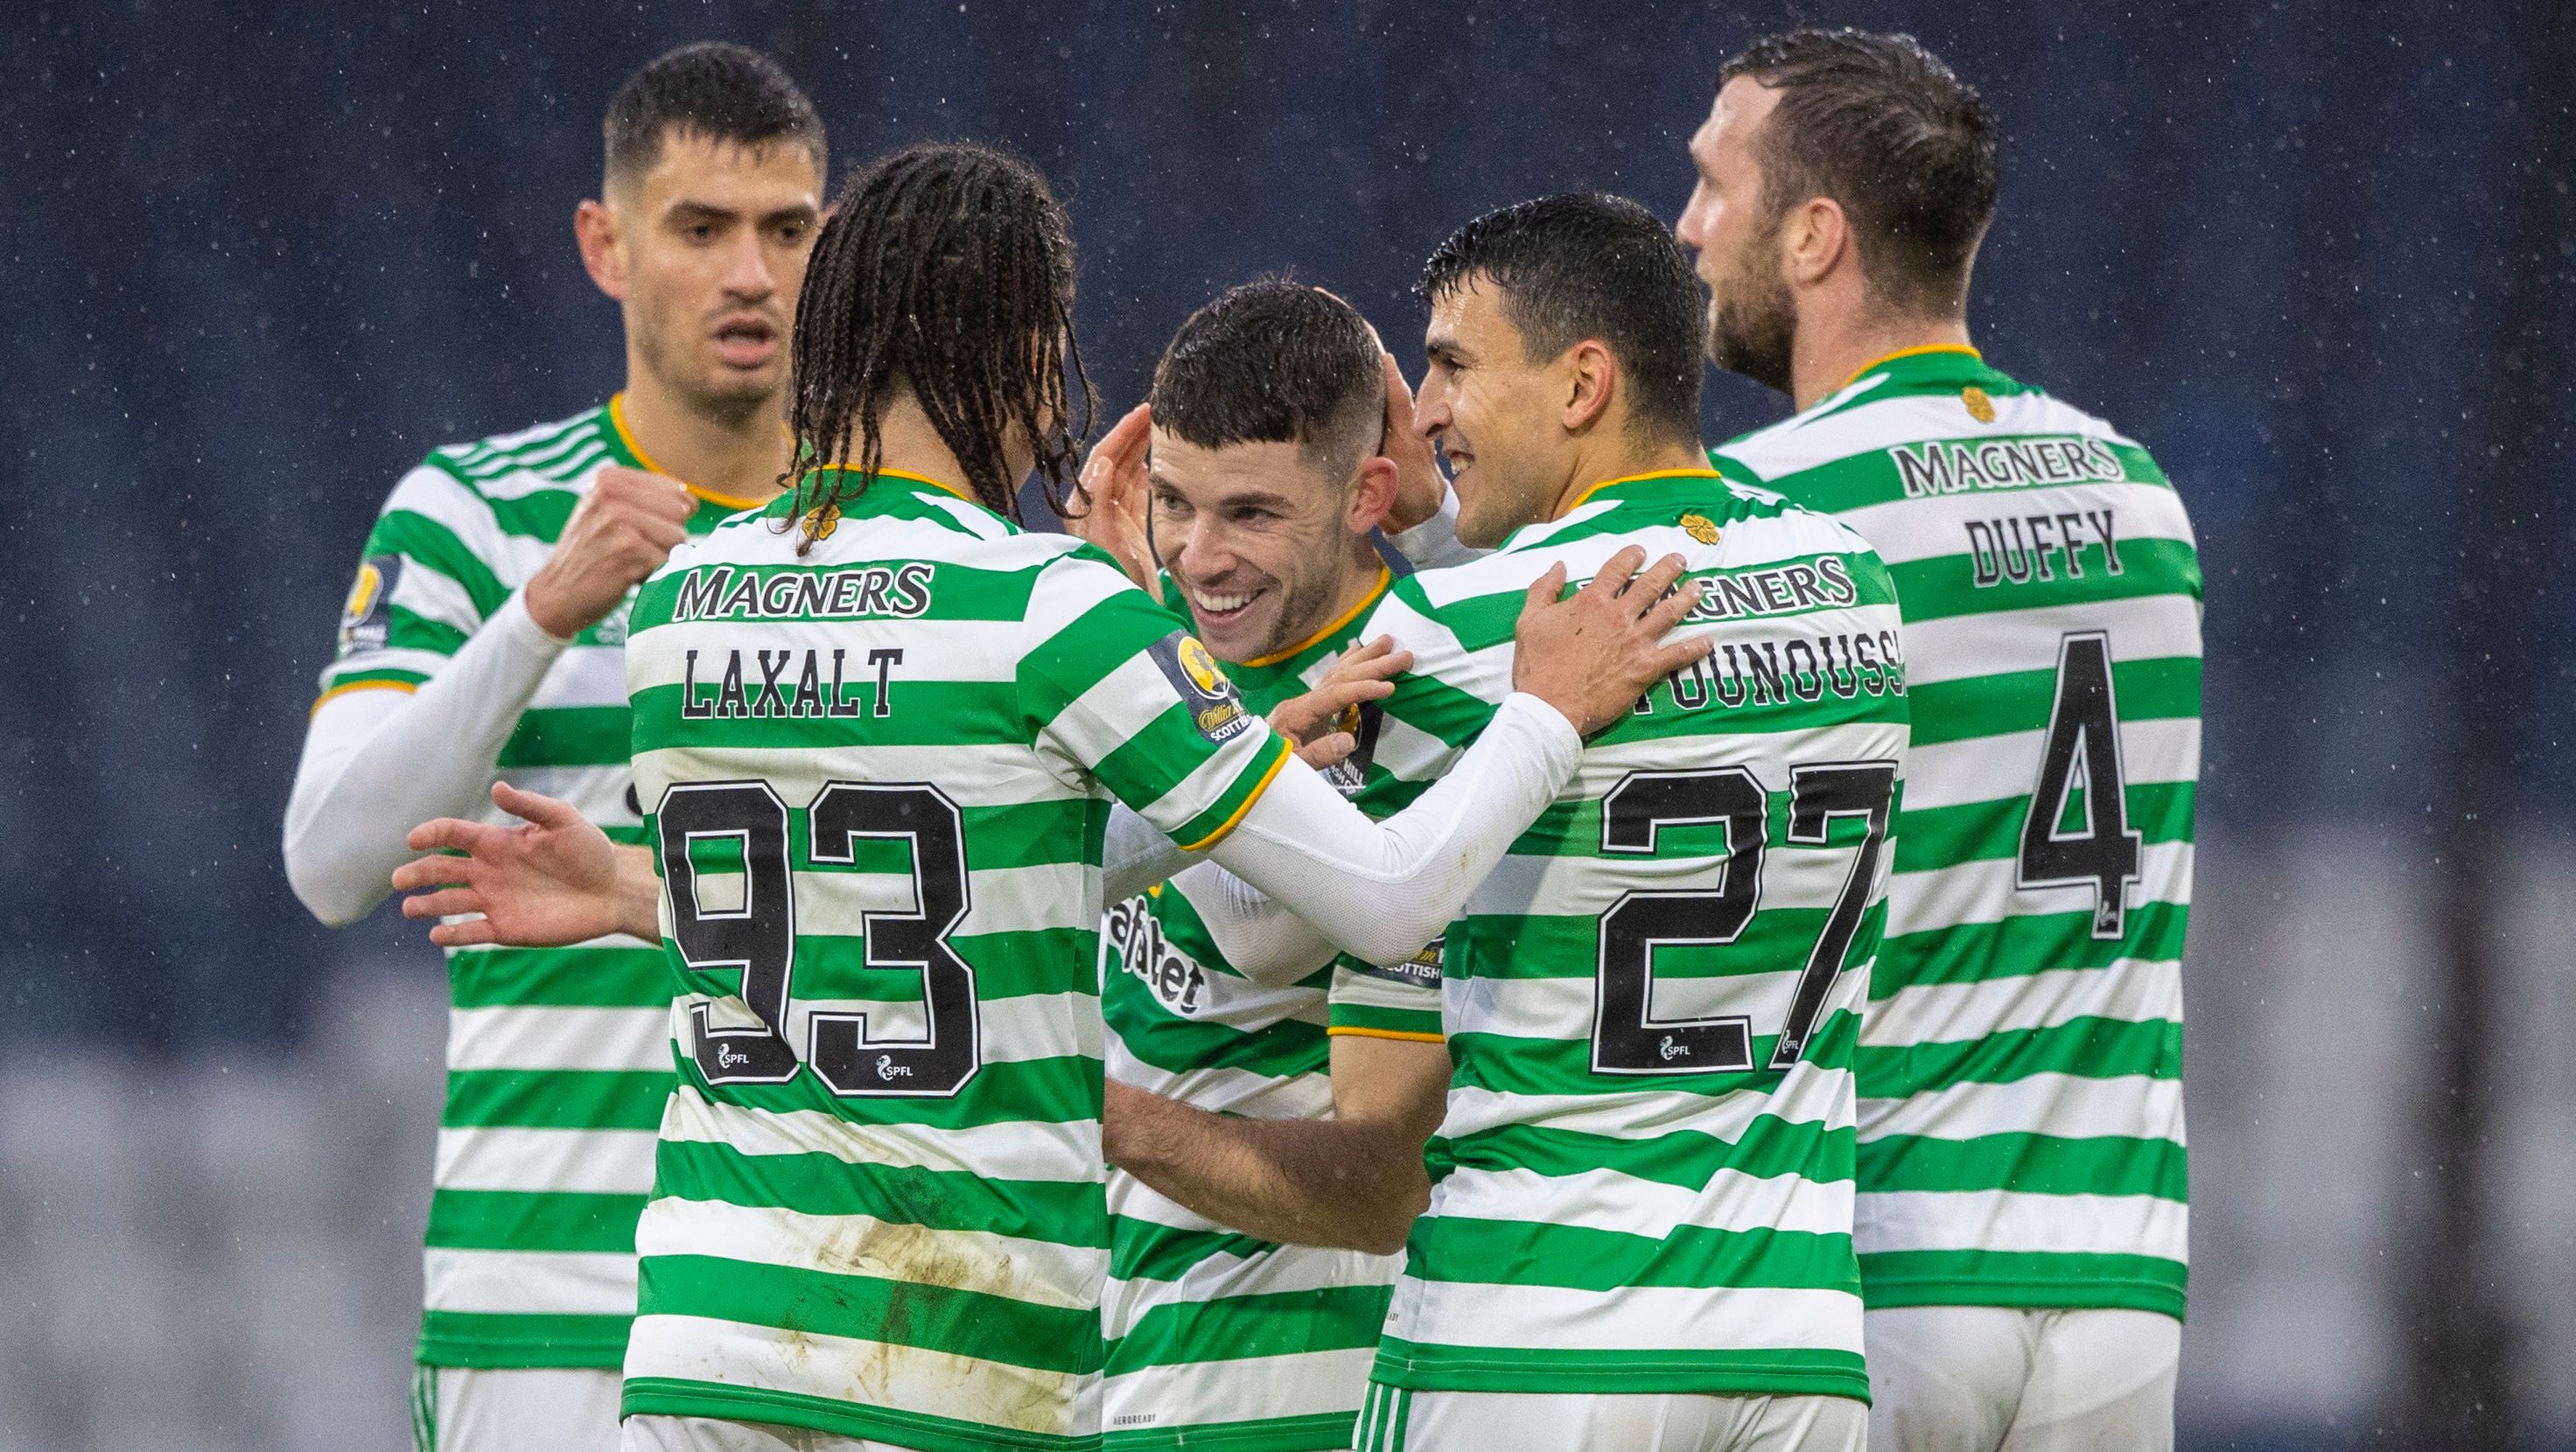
734,383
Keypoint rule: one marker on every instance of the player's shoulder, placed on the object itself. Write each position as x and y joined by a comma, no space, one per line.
1718,520
1879,425
561,454
500,483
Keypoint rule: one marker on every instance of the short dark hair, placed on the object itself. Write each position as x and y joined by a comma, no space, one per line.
1590,265
946,272
1275,361
1880,125
714,89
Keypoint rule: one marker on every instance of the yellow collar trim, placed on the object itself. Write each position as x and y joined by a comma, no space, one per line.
884,473
1385,577
626,436
1576,502
1908,353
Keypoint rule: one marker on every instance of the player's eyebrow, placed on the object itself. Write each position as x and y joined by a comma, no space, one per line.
686,212
1273,500
799,212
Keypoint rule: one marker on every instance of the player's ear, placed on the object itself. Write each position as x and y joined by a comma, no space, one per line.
1815,239
1591,376
594,226
1373,496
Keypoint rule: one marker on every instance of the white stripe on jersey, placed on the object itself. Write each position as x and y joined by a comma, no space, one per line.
571,1161
2131,1106
529,1282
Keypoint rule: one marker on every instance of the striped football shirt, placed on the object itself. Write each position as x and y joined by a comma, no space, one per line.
1643,1182
879,775
1218,1339
2021,1124
556,1060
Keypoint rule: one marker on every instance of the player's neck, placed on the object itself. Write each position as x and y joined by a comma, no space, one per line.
1830,350
731,457
1608,453
909,442
1362,572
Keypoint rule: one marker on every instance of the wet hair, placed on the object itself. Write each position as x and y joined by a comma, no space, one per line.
1275,361
1587,265
713,89
1880,125
945,273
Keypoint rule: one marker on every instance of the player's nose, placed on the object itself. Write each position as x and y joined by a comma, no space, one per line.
1203,554
1431,411
747,271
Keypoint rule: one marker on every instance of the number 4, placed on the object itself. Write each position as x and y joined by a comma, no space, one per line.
2083,736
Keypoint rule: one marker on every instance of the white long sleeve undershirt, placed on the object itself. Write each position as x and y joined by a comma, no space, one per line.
1434,544
1306,873
378,763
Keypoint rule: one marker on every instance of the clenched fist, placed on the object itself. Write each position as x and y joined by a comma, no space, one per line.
621,532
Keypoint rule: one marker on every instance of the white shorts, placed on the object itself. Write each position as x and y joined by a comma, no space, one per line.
1396,1420
514,1409
706,1434
1996,1379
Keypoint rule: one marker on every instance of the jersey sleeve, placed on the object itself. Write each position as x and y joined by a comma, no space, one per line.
1397,1001
1124,691
424,584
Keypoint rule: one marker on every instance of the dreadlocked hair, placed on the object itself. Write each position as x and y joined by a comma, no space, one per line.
945,273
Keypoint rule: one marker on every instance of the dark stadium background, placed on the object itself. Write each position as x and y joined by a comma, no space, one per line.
261,257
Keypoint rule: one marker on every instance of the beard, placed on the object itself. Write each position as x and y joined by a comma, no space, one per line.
1303,602
1753,320
719,394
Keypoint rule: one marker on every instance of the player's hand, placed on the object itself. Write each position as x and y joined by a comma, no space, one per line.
1323,724
1107,507
1593,654
1364,673
1419,484
622,531
554,881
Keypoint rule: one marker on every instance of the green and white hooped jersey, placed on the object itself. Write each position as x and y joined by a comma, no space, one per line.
880,774
2021,1129
1644,1179
1217,1339
556,1065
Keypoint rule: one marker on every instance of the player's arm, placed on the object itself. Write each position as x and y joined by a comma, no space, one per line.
1354,1181
376,762
1265,941
1381,890
1376,890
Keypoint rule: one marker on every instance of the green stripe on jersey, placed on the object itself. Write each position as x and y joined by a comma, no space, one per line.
2021,1130
1642,1183
879,778
1202,1323
559,1057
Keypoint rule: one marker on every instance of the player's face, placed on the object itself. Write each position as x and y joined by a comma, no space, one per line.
713,242
1752,319
1258,539
1492,414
